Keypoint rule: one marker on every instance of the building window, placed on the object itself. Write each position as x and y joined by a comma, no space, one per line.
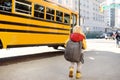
67,1
60,1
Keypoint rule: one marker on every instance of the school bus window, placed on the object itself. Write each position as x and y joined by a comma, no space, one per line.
6,5
50,14
66,18
59,16
23,7
39,11
74,20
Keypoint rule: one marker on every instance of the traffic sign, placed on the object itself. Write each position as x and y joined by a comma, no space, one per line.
105,7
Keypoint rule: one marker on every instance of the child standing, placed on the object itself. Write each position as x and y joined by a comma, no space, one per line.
76,37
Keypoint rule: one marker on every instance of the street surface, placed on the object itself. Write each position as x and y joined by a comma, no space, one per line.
102,62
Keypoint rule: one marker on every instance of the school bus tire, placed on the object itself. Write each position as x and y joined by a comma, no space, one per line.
1,45
55,47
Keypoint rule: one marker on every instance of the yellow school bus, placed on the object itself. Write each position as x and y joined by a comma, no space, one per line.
34,23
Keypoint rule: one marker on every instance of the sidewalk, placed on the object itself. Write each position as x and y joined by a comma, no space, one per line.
102,45
92,44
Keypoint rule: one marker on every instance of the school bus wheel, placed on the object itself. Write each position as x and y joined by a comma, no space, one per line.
55,47
1,45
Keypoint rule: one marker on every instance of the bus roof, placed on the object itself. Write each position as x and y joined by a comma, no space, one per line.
53,4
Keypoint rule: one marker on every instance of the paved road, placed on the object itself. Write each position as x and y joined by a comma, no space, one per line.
102,62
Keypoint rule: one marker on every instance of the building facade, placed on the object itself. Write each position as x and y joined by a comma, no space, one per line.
118,18
112,14
93,19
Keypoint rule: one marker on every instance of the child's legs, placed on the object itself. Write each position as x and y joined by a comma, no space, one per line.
71,69
79,66
72,64
117,43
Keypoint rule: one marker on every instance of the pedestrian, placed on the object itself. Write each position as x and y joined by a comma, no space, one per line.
74,51
118,39
106,37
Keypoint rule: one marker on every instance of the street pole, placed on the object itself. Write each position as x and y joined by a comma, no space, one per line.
79,11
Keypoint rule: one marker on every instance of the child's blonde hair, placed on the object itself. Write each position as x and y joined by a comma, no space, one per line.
77,29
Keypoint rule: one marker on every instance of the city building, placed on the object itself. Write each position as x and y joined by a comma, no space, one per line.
118,19
112,13
93,18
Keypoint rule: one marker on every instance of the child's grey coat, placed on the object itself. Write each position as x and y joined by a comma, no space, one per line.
73,51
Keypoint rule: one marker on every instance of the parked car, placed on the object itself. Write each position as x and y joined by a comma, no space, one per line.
110,35
100,36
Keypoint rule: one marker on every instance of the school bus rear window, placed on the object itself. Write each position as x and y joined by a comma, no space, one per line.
66,18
